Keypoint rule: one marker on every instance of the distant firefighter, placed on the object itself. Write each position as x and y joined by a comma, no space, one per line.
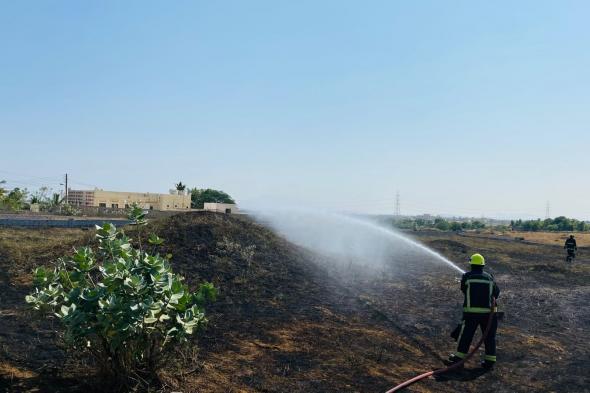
571,247
479,288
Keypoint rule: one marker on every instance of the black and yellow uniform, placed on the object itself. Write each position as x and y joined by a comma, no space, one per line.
571,248
478,287
570,244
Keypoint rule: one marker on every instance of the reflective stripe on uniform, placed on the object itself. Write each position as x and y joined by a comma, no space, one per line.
461,332
477,310
460,355
490,358
478,280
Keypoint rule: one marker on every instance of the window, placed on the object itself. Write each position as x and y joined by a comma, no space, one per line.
115,205
102,205
126,206
227,211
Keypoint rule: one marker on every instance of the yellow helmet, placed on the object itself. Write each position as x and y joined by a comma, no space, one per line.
477,259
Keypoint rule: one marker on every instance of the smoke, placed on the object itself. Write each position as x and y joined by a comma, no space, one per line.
347,239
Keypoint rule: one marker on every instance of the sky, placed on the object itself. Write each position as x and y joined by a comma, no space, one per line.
470,108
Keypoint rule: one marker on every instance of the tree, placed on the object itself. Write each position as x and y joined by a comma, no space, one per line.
477,225
201,196
442,224
456,226
121,304
16,199
180,187
55,200
564,223
40,197
465,225
2,190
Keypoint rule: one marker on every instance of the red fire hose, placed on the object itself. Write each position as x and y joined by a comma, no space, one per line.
454,365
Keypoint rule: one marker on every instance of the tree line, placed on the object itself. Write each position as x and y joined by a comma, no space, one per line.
200,196
438,223
556,224
560,223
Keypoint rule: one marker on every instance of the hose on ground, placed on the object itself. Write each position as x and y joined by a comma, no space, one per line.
454,365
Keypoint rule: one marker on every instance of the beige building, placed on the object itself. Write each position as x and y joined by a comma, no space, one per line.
228,208
120,200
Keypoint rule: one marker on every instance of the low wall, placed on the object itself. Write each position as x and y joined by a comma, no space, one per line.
59,223
91,211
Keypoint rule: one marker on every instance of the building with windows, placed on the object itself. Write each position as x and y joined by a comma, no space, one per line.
175,200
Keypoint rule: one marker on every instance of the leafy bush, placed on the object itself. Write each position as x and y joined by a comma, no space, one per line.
442,224
70,210
123,305
15,200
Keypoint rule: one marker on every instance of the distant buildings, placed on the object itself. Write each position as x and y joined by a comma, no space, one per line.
228,208
175,200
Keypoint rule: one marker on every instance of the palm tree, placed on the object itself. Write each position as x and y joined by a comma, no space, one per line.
180,187
55,200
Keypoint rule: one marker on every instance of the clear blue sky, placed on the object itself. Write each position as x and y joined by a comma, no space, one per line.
465,107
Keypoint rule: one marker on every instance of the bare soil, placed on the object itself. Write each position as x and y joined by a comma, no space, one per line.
290,321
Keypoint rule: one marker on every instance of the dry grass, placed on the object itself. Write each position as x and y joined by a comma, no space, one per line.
27,248
583,239
553,238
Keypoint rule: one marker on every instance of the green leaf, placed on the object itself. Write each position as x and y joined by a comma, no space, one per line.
30,299
64,310
163,318
136,215
155,240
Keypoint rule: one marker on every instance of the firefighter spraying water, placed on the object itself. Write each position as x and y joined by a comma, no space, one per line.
480,290
479,310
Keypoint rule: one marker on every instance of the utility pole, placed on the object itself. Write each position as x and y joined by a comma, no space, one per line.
66,194
547,210
397,212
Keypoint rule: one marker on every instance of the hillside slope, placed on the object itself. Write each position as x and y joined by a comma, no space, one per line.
287,320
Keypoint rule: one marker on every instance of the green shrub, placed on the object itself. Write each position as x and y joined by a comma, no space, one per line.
200,197
70,210
121,304
15,200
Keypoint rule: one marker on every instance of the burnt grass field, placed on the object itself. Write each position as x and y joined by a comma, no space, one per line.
291,321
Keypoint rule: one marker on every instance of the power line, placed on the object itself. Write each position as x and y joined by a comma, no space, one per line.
41,178
83,184
33,184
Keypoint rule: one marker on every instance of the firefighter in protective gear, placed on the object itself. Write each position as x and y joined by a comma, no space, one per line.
571,247
479,288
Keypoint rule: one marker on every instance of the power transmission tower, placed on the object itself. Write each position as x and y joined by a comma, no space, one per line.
547,210
397,212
